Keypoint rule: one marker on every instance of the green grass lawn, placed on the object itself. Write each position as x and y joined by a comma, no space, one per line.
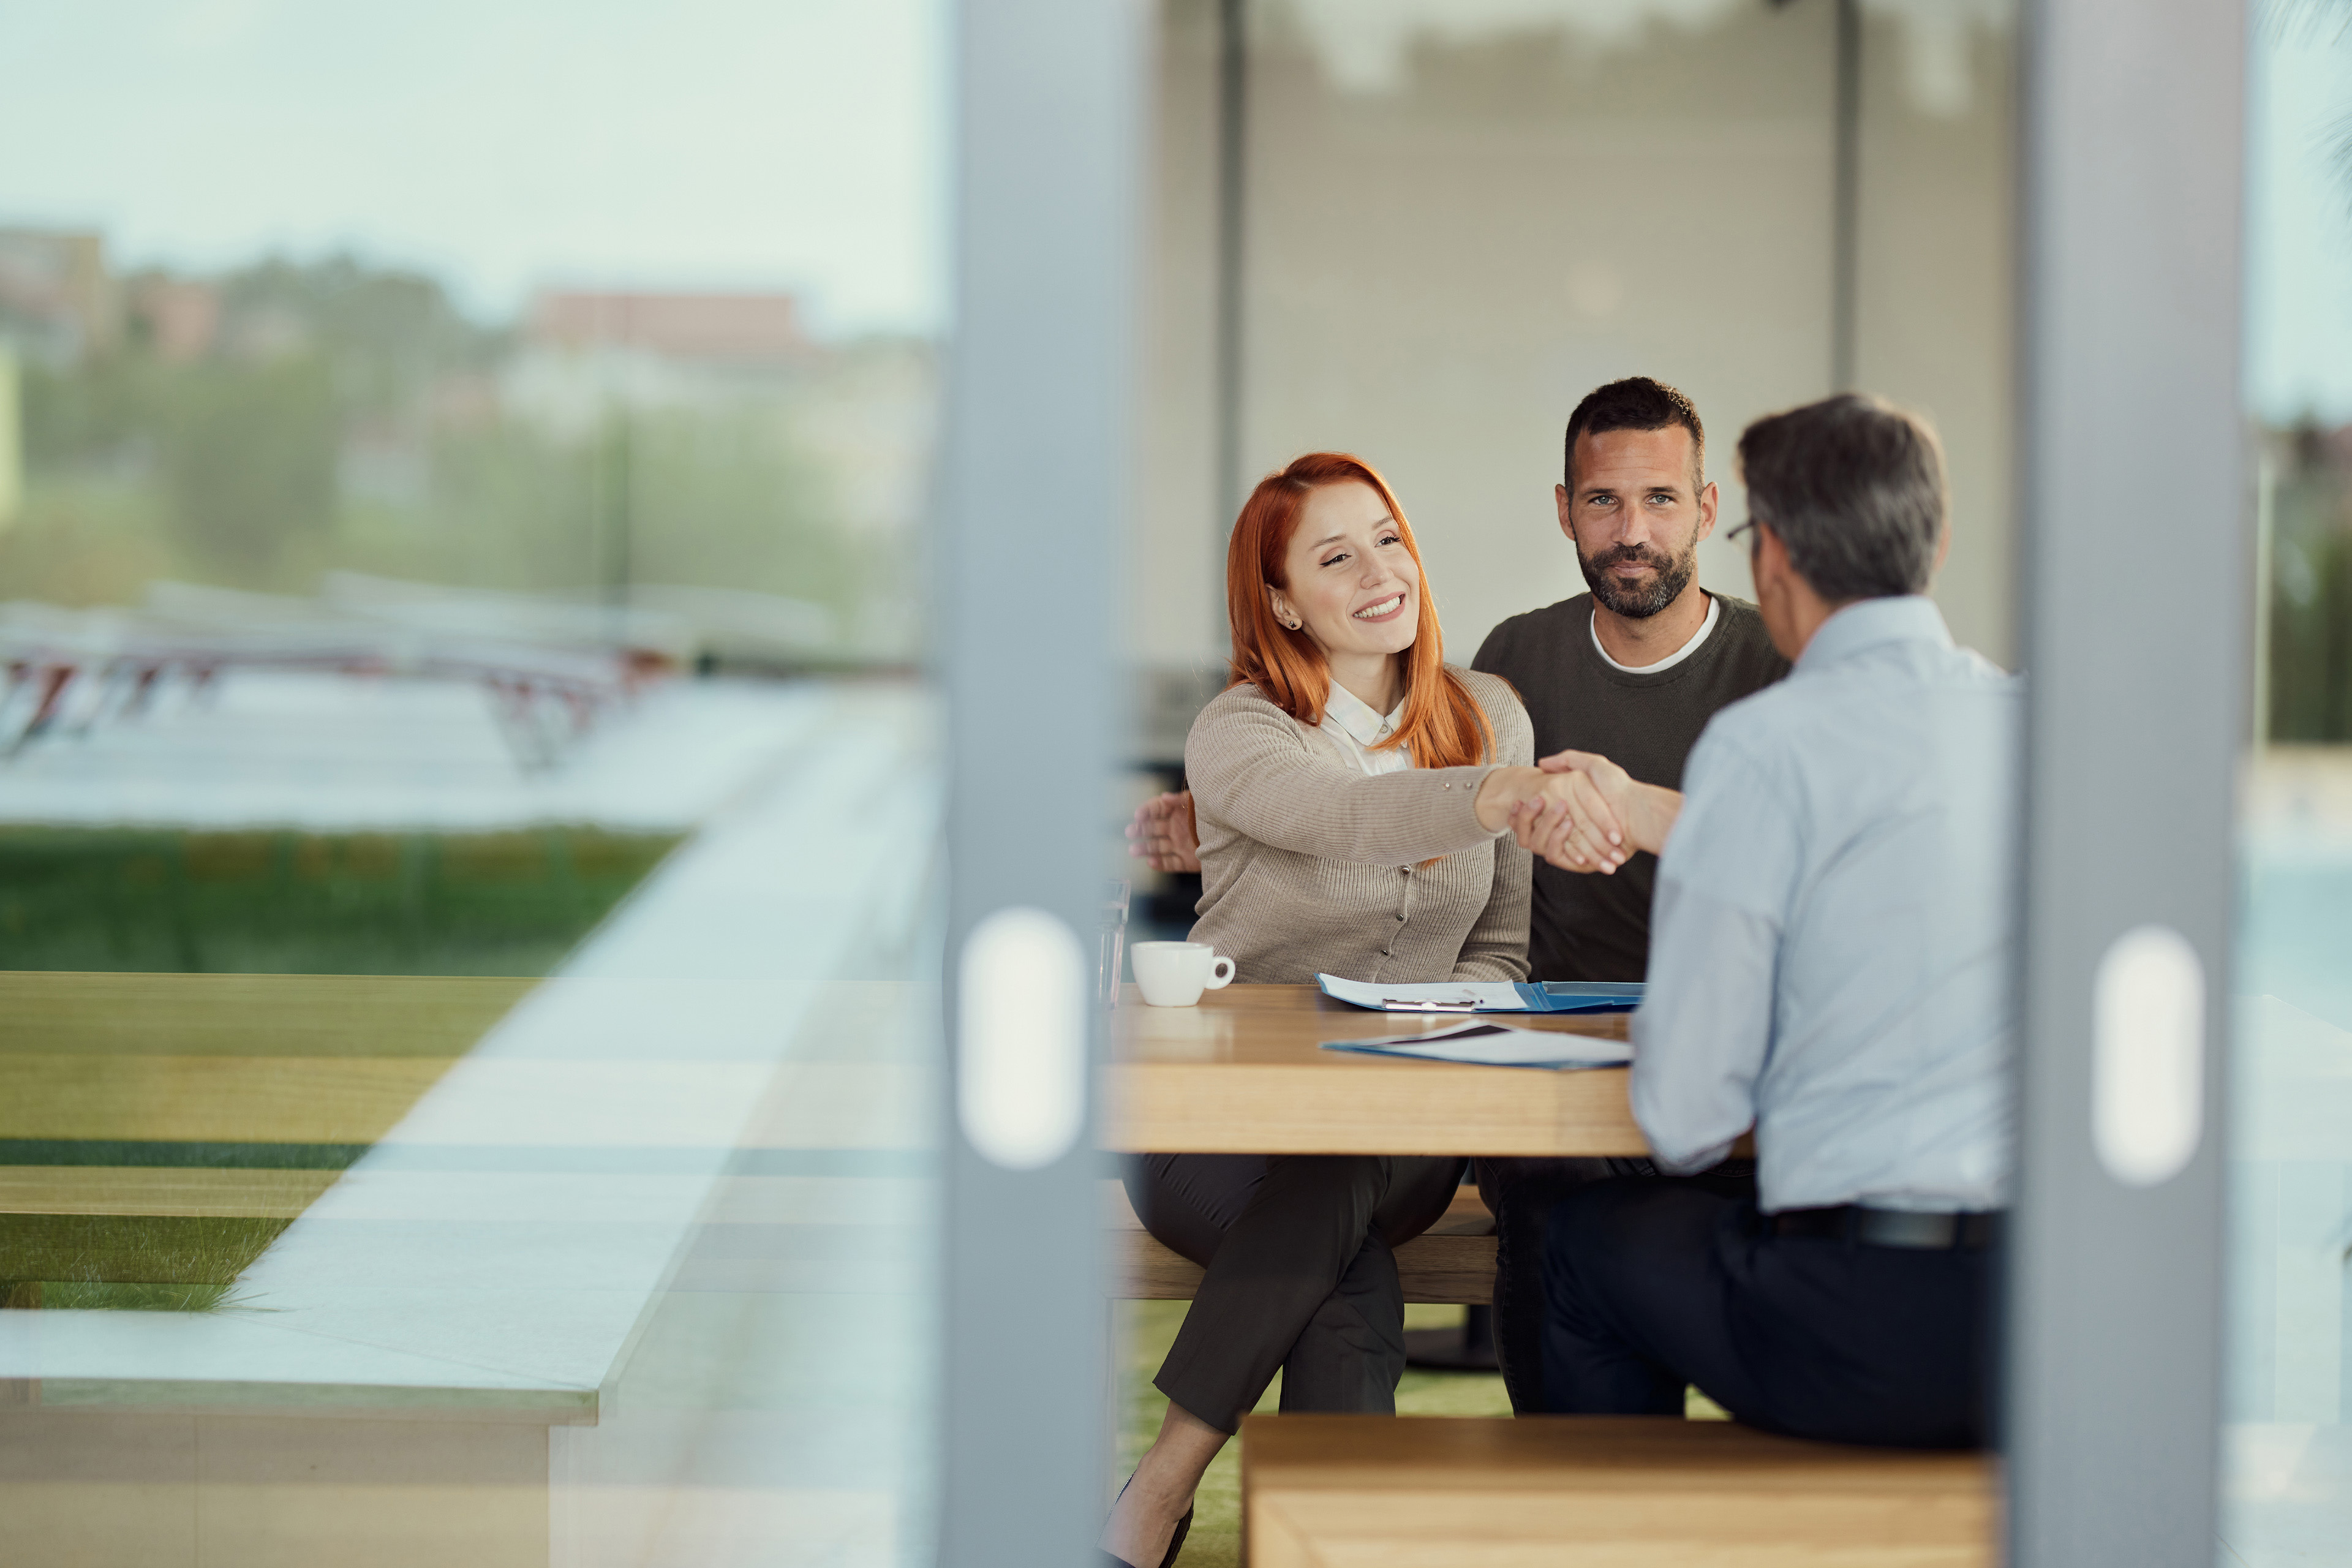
279,903
128,901
140,1261
1146,1330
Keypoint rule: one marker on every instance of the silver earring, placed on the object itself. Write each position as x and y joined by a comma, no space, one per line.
1292,624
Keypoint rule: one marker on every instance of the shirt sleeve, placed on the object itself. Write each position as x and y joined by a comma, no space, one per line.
1703,1026
1704,1031
1250,768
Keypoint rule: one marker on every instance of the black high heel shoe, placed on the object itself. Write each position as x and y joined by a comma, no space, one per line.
1175,1541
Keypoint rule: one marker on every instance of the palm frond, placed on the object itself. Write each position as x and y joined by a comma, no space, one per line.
2304,21
2326,23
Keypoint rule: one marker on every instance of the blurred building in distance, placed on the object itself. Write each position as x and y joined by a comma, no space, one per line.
179,318
56,298
258,428
719,329
12,437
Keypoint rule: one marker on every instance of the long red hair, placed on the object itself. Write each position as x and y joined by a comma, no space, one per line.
1443,722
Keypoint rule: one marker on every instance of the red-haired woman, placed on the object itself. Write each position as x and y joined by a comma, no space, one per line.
1353,792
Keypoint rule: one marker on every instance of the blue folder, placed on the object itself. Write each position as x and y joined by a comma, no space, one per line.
1486,997
1581,995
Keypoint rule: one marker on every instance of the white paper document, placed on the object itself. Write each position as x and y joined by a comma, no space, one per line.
1497,1044
1455,997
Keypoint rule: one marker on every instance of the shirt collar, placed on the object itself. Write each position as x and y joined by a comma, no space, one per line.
1355,716
1866,623
1697,640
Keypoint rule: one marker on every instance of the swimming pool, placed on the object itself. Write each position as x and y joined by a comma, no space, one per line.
2287,1465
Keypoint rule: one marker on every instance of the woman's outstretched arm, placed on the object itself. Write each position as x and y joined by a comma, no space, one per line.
1253,769
1497,947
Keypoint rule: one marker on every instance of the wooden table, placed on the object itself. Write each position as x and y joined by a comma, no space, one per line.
1242,1073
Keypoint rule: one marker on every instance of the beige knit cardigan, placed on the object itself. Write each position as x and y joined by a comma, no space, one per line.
1308,863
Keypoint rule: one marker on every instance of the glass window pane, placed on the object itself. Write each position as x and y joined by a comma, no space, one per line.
2288,1476
1454,221
468,798
1457,220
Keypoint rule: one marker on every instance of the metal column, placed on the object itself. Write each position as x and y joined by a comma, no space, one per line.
1052,95
1845,201
1233,217
2134,575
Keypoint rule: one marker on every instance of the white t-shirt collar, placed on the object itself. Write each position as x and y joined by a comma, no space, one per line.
1713,612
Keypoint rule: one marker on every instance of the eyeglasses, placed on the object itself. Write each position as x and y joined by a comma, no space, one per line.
1736,533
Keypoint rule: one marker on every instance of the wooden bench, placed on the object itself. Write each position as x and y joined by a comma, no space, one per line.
1453,1261
1623,1492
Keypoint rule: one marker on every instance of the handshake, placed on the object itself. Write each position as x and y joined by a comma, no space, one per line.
1579,811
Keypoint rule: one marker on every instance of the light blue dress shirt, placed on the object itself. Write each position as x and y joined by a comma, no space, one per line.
1830,948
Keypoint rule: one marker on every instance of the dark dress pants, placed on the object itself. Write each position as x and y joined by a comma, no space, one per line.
1652,1284
1520,1192
1301,1274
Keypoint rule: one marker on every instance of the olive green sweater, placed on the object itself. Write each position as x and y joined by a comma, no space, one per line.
1309,864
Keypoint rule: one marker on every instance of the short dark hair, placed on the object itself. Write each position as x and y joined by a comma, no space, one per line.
1636,402
1854,488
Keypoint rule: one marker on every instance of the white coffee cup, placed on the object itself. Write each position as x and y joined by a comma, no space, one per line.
1175,973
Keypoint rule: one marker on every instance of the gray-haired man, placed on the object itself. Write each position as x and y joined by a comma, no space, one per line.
1829,963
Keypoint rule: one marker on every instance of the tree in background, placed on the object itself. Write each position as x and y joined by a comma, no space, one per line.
2311,587
247,461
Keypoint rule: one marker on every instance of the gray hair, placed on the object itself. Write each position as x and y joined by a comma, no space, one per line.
1854,488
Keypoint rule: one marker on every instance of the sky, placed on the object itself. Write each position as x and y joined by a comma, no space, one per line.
502,145
2299,223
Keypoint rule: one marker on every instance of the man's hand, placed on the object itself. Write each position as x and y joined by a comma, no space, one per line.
1163,834
1648,811
1560,816
1571,824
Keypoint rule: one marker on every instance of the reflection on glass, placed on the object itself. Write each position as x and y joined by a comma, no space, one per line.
465,837
2288,1477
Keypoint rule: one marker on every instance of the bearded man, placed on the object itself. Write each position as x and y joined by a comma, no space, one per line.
1634,669
1631,670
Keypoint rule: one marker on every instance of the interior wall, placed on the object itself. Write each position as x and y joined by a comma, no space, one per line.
1461,218
1176,559
1440,263
1937,302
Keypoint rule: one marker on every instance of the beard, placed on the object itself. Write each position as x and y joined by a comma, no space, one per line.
1671,576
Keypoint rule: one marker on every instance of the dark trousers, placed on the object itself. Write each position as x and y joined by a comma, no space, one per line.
1301,1274
1652,1284
1520,1192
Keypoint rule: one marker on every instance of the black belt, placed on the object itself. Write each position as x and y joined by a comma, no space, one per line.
1886,1227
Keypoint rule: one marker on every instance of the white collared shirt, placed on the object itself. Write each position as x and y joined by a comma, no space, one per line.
1836,907
1349,719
